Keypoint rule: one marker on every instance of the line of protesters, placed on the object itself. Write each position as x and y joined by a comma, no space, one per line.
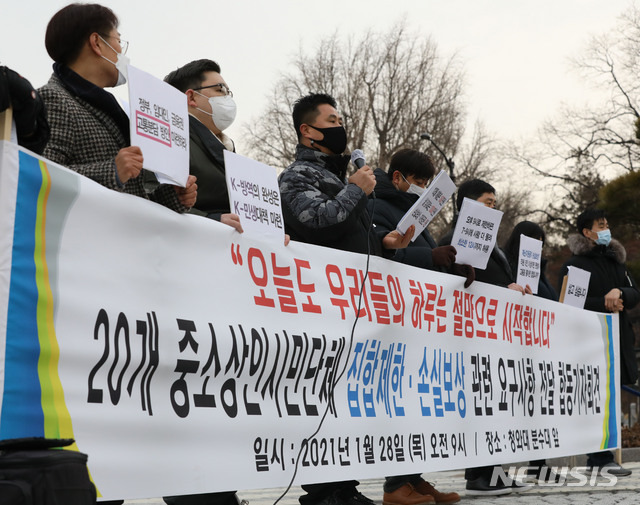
85,129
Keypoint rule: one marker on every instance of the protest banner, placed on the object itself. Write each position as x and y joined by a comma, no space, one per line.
159,126
254,195
428,205
575,287
202,360
475,234
529,260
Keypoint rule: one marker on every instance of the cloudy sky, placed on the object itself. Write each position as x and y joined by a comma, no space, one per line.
515,54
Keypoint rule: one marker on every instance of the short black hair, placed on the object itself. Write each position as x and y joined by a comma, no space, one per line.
526,228
191,75
305,109
70,27
473,190
410,162
588,217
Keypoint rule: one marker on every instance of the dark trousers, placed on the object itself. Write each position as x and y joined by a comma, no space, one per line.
397,481
599,458
221,498
318,492
479,471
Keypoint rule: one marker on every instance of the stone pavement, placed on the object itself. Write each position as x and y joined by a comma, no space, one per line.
625,491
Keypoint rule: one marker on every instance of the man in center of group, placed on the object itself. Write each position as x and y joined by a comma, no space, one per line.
321,207
396,192
498,273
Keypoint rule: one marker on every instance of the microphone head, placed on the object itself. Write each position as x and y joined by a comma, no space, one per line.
357,158
357,154
425,136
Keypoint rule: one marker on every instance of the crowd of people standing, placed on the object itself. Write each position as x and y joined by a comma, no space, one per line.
74,121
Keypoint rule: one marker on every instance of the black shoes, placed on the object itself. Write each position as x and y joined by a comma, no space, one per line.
613,468
345,496
355,497
483,487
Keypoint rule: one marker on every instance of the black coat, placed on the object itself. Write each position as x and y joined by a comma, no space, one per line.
545,289
206,162
608,271
387,209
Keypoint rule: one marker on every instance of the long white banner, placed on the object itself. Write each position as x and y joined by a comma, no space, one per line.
184,357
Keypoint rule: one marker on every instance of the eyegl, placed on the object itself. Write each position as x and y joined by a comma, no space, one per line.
124,45
222,87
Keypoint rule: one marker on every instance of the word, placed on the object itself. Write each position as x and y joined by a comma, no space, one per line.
583,476
519,439
530,326
147,330
257,213
364,387
237,369
295,371
156,123
277,453
524,383
474,316
431,383
270,196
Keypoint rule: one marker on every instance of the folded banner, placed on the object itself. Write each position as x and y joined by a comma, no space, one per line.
184,357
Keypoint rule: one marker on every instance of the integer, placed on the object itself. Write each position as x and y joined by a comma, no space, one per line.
95,394
101,328
121,326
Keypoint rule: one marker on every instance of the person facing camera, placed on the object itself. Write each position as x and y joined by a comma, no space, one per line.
611,290
211,111
396,192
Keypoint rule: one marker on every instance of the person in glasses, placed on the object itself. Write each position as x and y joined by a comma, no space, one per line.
211,111
89,129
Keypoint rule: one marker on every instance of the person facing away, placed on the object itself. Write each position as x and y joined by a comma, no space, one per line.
89,129
212,110
321,207
611,290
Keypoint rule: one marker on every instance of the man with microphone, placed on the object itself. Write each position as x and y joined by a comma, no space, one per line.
322,207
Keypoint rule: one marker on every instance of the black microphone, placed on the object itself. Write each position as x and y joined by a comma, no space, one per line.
357,158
